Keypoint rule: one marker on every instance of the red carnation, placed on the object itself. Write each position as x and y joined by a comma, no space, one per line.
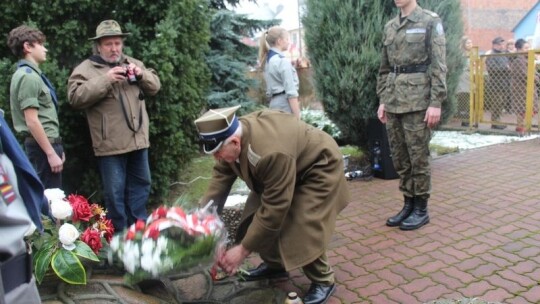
153,232
130,235
92,238
140,225
160,212
81,208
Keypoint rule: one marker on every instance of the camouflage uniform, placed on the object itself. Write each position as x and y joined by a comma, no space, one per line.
412,77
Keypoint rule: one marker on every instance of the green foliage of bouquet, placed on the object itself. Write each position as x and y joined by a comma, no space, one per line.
169,241
61,245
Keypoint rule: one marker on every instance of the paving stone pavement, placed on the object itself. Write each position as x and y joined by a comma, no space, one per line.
483,240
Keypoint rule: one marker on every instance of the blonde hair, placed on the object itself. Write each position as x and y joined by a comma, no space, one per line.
268,40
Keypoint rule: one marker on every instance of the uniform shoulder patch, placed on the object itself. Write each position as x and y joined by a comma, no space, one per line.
253,157
432,14
28,70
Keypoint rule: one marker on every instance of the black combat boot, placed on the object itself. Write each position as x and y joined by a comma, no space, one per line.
403,214
419,216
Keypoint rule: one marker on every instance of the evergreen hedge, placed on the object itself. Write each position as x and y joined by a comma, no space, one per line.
170,36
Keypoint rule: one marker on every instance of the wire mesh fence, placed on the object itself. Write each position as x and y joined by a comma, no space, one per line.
500,91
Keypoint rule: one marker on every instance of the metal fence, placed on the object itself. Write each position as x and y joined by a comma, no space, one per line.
501,92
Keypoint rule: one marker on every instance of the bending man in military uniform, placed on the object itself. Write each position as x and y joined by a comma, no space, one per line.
411,87
295,174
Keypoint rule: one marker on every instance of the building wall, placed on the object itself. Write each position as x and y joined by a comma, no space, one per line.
487,19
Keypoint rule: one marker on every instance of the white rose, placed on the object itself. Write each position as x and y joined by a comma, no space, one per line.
61,209
54,194
68,234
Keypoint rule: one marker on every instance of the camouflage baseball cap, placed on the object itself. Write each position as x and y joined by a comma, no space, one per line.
108,28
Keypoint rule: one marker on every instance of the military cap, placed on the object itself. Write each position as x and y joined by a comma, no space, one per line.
108,28
498,40
215,126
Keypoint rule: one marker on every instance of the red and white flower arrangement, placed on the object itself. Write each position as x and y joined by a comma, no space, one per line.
62,244
169,241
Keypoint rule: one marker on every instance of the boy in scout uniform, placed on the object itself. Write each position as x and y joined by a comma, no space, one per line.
34,106
411,87
295,174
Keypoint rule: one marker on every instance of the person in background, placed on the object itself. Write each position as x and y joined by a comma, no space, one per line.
22,200
497,85
295,174
411,88
279,74
511,46
518,83
111,88
464,85
34,106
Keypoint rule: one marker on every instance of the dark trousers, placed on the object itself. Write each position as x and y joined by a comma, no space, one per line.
126,186
40,162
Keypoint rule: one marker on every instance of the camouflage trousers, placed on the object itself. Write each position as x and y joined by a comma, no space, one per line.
409,136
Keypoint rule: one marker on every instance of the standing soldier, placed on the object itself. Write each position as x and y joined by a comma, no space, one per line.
411,87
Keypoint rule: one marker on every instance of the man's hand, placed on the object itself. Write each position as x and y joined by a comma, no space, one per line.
232,258
55,162
136,70
433,116
117,74
381,114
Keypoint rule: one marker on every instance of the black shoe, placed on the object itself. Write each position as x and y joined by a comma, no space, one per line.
498,127
319,293
263,271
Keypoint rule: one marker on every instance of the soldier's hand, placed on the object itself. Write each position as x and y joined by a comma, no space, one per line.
381,114
433,116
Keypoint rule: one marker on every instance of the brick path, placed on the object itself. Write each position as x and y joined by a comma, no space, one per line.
483,240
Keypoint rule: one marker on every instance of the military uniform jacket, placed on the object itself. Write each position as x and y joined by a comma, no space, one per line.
419,40
295,173
90,89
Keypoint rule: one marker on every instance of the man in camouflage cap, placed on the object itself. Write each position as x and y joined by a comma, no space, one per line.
411,87
111,88
295,174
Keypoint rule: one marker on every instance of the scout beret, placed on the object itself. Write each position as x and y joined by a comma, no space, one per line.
108,28
215,126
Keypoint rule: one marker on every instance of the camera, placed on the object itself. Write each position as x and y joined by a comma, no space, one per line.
131,77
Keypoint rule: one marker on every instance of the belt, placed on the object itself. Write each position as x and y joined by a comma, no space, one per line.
52,140
407,69
279,93
16,271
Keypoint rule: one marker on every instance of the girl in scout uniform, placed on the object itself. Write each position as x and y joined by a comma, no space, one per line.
279,74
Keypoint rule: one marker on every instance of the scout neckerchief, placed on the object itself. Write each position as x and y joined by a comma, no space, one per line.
271,54
45,80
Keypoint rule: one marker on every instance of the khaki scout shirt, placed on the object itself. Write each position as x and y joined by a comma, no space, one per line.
404,45
29,91
280,76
